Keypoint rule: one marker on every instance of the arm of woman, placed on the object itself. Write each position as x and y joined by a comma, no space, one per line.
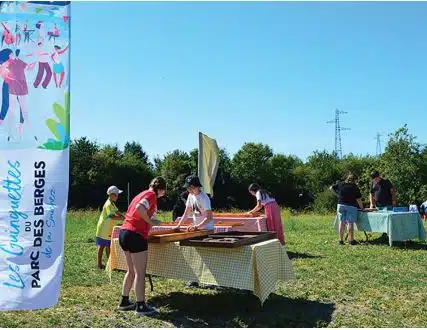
62,51
257,208
118,216
359,201
208,218
371,201
142,211
30,66
183,217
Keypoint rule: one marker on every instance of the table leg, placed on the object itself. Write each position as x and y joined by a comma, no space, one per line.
366,236
151,283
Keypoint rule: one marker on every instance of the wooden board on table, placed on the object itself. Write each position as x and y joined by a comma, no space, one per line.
176,235
236,215
228,223
230,239
216,223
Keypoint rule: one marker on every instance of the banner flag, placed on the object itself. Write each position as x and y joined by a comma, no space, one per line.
208,162
34,151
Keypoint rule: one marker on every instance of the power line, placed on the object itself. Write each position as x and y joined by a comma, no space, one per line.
338,129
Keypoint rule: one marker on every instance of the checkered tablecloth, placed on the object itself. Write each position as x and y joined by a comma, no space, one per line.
256,267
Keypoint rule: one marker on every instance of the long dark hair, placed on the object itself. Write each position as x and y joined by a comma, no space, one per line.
158,183
254,187
4,55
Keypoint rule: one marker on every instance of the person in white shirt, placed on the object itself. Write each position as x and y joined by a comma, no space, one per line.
272,210
44,66
199,204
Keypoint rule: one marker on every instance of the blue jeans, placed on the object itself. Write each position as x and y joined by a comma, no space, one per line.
347,213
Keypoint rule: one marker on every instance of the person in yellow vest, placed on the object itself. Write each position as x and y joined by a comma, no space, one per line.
107,220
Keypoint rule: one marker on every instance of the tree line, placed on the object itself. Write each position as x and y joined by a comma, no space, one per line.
295,184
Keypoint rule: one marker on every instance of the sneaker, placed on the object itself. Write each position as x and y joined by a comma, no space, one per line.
127,306
145,310
352,242
341,242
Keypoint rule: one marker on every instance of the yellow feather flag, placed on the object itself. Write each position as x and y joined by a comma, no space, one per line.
208,162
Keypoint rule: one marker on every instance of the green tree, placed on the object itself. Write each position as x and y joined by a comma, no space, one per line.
326,202
361,167
323,170
250,164
81,162
223,183
402,164
194,160
132,170
422,196
283,181
302,187
175,167
134,148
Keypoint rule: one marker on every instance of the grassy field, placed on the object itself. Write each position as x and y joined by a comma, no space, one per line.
370,285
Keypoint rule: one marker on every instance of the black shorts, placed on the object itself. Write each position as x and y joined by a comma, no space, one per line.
132,241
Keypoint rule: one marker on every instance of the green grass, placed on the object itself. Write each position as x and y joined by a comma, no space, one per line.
370,285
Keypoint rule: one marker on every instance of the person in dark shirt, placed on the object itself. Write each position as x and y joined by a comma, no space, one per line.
383,194
423,210
179,207
349,199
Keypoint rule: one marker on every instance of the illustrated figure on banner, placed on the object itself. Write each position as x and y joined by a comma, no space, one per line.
15,88
54,34
26,32
41,33
12,70
17,35
44,66
4,57
7,36
58,67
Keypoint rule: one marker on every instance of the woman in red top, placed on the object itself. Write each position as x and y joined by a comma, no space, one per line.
133,240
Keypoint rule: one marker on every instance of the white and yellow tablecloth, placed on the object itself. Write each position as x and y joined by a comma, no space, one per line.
256,267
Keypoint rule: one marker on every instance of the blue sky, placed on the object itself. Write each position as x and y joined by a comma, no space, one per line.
158,73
